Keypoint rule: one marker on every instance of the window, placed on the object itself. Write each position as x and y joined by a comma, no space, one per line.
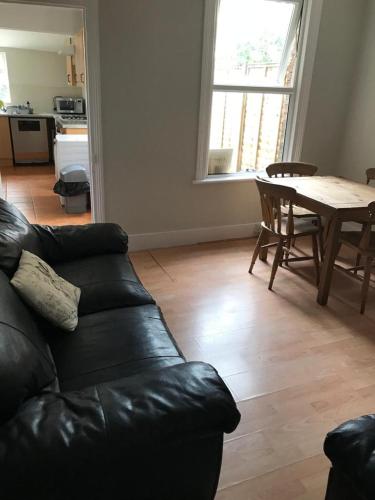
4,80
250,72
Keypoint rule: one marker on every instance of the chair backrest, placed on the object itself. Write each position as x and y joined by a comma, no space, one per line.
365,241
272,198
291,169
370,174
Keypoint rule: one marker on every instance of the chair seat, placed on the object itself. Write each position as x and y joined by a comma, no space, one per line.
301,227
351,227
299,211
354,237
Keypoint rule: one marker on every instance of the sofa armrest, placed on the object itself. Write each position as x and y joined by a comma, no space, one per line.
351,449
62,243
85,433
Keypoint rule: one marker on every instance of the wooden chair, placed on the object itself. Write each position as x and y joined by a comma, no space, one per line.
291,169
285,229
370,174
294,169
357,226
363,242
297,169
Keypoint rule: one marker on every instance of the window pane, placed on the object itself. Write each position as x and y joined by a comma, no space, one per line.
256,43
247,131
4,81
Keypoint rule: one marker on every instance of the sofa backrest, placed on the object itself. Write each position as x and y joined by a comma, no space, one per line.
16,234
26,365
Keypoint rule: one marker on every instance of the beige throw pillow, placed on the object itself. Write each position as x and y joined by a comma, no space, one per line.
47,293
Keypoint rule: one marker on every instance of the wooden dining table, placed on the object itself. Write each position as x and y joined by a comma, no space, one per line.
337,200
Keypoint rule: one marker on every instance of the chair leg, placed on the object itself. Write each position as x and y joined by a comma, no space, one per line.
288,245
366,283
315,249
321,238
321,245
337,249
257,250
276,262
357,262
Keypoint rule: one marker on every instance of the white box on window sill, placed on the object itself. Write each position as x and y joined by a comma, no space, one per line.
219,161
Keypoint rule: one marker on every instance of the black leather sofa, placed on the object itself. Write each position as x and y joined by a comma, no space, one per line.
351,449
113,410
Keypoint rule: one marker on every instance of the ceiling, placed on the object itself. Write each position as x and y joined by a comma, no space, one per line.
50,42
38,27
40,18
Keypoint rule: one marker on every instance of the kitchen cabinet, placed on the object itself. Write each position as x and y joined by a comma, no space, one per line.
79,58
76,64
70,73
6,153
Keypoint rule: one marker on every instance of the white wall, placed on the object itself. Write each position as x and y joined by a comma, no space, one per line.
338,50
150,118
37,76
150,146
358,146
151,65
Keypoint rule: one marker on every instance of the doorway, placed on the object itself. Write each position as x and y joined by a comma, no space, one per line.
44,74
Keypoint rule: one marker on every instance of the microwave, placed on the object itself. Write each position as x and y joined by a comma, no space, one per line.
70,105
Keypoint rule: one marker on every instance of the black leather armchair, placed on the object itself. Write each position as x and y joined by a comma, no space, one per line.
111,410
351,449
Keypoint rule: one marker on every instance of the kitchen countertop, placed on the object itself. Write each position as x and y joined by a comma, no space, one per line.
65,124
38,115
74,125
62,124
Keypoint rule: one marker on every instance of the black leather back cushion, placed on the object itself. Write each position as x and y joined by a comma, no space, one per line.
16,234
26,365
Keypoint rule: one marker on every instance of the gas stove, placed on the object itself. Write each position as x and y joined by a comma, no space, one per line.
72,118
71,121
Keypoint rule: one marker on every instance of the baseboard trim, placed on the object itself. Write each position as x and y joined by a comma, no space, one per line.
167,239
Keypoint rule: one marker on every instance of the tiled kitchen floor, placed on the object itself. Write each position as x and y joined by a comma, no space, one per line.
31,190
296,369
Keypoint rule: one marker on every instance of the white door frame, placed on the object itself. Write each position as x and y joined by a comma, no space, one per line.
90,11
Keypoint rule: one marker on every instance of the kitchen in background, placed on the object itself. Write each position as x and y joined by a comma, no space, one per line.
43,122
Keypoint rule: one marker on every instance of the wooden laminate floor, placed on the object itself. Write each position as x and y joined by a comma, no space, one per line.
295,368
31,190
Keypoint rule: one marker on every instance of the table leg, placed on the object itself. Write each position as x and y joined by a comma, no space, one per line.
264,251
331,243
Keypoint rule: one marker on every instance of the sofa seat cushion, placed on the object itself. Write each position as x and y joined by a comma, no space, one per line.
113,344
106,282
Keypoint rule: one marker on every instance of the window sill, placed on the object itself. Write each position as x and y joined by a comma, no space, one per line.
245,177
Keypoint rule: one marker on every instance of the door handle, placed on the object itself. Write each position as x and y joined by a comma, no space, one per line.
82,78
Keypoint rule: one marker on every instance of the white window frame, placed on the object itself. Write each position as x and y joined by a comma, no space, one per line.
299,93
